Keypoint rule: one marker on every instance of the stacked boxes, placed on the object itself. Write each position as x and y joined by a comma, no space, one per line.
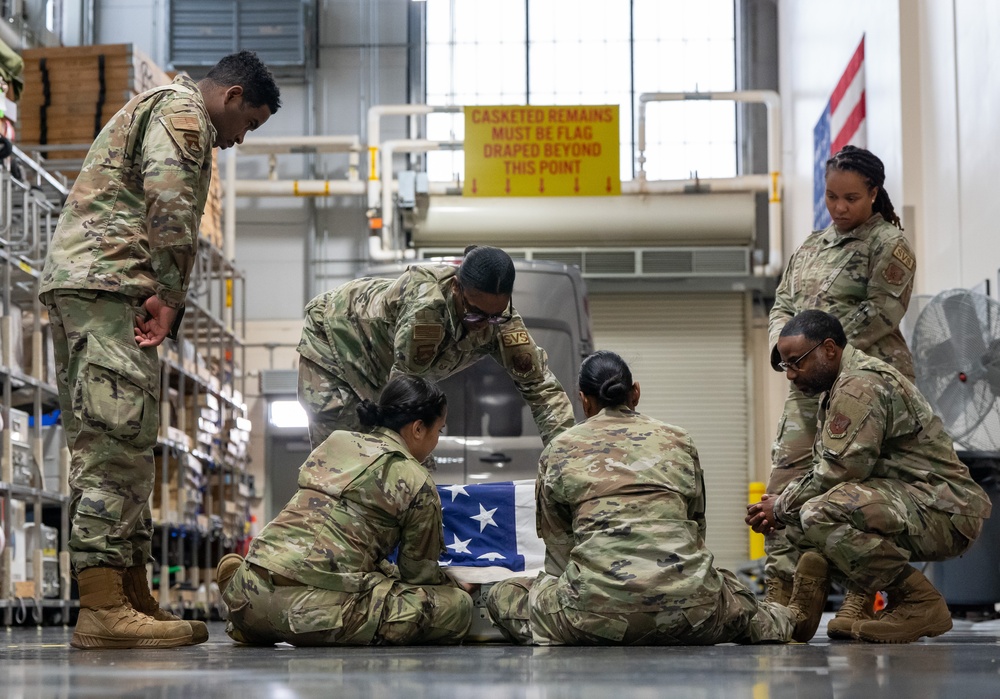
70,92
181,500
22,461
202,410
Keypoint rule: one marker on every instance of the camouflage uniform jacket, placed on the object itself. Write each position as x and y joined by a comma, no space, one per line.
373,329
130,224
359,496
621,508
874,423
864,277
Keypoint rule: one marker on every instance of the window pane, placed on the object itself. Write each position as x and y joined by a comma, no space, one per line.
578,52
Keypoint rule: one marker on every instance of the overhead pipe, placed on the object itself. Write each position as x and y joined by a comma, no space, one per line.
374,133
772,102
298,188
390,148
272,187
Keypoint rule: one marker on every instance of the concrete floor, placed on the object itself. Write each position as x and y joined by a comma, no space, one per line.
38,663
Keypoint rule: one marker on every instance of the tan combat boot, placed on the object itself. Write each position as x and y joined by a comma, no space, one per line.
107,620
779,591
915,609
224,572
136,587
808,595
857,606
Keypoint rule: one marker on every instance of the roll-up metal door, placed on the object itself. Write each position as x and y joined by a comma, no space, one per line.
688,353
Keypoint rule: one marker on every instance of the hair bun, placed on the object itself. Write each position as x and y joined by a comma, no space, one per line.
370,413
614,390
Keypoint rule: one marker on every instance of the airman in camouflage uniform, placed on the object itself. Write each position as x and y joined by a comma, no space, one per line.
358,336
621,508
317,574
114,282
864,277
885,487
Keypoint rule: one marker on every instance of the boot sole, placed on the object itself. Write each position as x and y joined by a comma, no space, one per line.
928,633
92,642
840,635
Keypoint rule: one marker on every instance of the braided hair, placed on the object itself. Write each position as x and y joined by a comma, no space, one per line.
605,377
487,269
867,164
404,399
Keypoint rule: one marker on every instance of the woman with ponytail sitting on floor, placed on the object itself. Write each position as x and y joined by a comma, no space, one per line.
621,507
317,574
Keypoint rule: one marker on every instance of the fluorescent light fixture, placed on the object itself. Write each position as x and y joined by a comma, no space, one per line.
287,413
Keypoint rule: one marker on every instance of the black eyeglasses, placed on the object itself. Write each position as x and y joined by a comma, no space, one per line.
474,315
794,363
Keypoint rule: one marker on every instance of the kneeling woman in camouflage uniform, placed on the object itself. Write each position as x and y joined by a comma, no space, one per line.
621,507
317,574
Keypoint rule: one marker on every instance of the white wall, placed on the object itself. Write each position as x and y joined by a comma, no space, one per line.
815,44
933,95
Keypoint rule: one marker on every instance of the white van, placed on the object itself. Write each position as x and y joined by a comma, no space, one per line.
491,435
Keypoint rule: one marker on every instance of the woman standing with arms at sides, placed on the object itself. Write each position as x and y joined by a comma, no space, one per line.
859,269
317,574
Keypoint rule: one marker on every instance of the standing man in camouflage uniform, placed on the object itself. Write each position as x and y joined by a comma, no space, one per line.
860,269
432,321
114,282
885,487
317,575
621,508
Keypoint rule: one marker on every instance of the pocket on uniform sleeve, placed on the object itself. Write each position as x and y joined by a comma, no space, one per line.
117,391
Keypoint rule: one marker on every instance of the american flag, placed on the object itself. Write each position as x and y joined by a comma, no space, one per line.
842,123
489,530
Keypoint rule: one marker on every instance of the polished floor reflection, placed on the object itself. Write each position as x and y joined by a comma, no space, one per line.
964,663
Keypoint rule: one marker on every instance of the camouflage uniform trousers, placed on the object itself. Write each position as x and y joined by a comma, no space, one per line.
328,400
109,392
391,613
791,457
527,611
870,531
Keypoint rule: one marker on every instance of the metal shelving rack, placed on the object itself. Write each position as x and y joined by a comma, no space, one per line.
214,323
187,543
30,201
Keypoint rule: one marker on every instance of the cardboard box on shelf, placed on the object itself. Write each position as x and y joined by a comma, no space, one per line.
12,339
72,91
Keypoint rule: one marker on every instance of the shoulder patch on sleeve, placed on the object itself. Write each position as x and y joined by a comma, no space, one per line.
428,332
842,424
185,132
184,122
837,426
903,255
514,338
894,274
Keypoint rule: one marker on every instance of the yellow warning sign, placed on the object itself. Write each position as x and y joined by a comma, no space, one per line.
531,151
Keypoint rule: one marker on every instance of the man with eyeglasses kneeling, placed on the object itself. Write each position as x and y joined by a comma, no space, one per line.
885,488
432,321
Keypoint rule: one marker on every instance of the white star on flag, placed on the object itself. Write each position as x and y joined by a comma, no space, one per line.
459,545
455,491
484,517
491,556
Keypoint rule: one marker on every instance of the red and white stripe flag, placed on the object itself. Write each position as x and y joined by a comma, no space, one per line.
847,105
842,123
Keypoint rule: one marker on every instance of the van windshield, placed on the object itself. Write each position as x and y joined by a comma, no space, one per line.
483,401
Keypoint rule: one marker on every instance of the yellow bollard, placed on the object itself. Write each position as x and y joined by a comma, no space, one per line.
756,540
